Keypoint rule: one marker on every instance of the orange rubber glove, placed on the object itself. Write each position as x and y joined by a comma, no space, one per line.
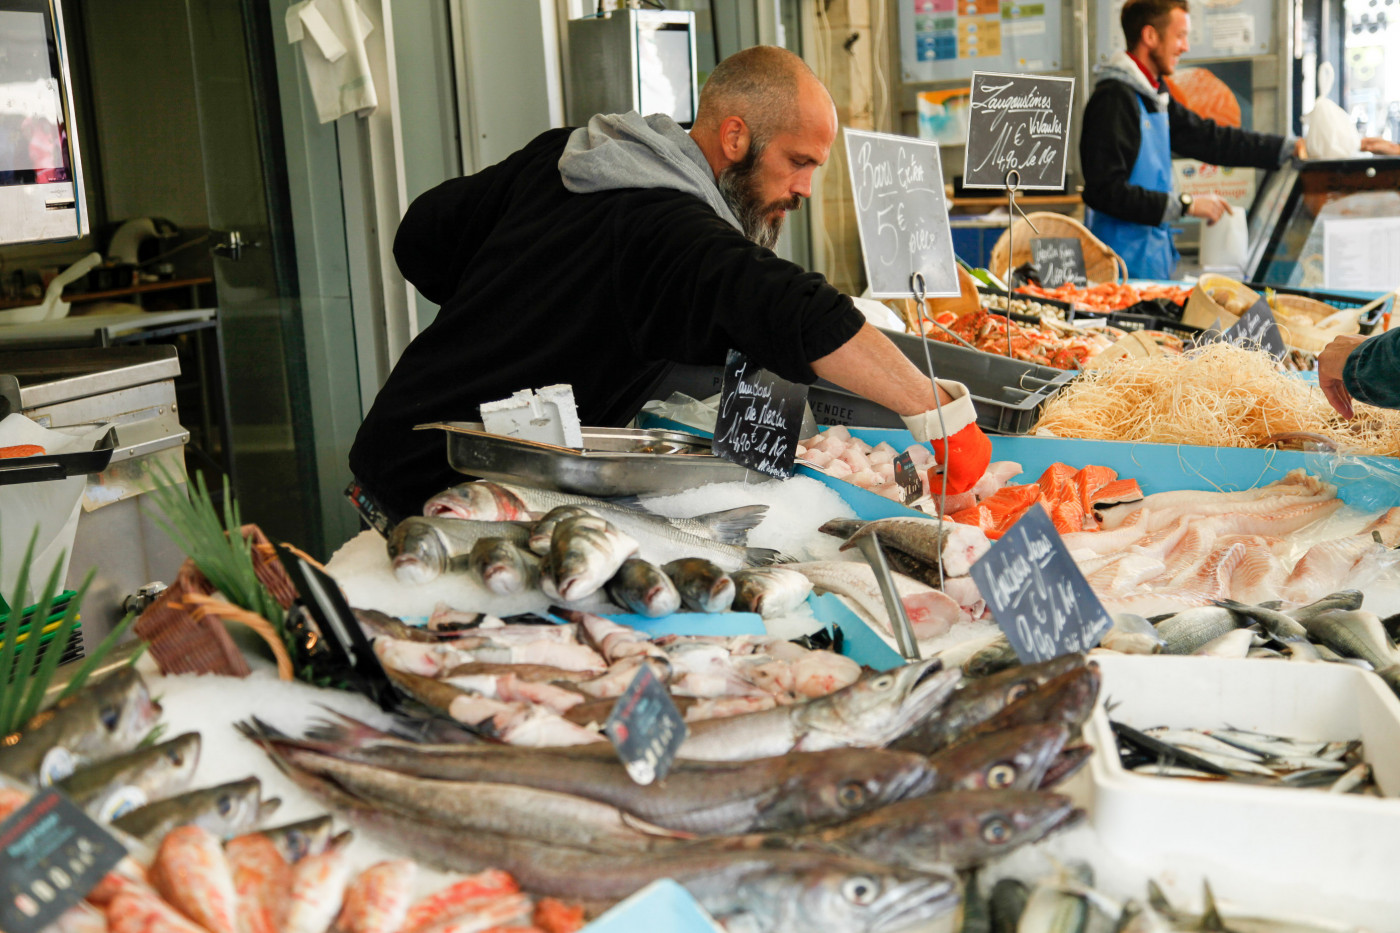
968,450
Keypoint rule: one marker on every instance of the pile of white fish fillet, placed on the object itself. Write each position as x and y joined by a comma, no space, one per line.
1175,550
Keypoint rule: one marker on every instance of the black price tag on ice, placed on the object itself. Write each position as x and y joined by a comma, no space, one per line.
901,214
1059,260
646,728
1037,593
1018,123
760,416
51,855
907,476
1257,329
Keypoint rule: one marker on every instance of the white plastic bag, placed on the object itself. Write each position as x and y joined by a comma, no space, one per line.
1331,134
1225,244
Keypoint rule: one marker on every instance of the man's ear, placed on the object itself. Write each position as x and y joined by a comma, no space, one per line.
734,138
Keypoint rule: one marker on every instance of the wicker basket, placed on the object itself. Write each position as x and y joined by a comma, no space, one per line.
185,625
1101,263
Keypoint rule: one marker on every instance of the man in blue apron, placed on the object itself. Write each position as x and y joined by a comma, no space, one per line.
1131,128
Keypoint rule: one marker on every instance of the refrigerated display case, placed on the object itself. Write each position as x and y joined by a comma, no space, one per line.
1353,205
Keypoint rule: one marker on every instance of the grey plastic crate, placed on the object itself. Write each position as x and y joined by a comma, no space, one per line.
1008,393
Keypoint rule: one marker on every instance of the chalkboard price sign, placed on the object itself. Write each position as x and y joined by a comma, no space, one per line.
1059,260
1018,123
1257,329
760,416
901,214
646,728
1037,593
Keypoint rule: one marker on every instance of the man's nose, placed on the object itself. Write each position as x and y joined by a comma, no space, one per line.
802,186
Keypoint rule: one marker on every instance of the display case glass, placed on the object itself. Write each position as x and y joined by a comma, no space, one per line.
1327,224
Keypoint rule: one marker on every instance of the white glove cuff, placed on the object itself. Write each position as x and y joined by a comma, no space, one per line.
957,414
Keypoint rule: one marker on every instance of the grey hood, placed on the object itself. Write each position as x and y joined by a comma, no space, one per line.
627,150
1121,67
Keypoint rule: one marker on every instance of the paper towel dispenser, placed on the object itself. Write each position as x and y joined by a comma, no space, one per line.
641,60
41,180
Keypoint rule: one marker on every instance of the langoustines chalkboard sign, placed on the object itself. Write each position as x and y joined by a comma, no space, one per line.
1037,593
1020,123
760,416
901,214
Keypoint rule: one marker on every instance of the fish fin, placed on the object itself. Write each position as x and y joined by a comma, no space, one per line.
732,526
267,807
651,829
762,556
1211,921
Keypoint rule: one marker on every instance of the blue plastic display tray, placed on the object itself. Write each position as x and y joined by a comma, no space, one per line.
661,907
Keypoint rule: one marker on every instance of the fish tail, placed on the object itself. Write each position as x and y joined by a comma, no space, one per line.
762,556
732,526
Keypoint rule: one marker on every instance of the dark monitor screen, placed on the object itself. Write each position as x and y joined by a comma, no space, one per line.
33,123
667,73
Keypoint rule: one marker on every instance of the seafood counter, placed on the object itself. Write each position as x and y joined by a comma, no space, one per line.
824,782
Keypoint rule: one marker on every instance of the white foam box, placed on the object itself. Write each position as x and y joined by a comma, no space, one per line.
1269,849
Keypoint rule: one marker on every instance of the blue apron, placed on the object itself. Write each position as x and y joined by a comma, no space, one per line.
1148,251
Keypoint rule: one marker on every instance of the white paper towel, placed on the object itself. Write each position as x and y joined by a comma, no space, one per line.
332,37
52,507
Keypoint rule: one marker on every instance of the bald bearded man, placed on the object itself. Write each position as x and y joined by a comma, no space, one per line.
601,256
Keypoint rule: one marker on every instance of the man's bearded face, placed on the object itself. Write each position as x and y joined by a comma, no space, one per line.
741,185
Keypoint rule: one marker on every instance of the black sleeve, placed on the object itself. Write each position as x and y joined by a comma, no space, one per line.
701,288
445,226
1108,147
1195,137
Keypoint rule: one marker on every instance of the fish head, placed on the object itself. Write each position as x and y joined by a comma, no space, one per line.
1068,699
986,696
837,895
124,712
178,758
879,709
838,784
1065,765
1012,759
298,840
480,500
236,806
417,551
961,828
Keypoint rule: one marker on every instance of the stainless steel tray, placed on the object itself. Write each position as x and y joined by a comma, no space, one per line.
614,461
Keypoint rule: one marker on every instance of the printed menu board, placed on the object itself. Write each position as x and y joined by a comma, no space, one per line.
946,39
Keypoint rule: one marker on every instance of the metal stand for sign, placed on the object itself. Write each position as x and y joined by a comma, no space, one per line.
1013,183
920,289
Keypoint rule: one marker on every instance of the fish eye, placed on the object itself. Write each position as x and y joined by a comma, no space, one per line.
225,805
174,756
859,891
110,716
883,682
297,844
851,794
1001,775
1016,692
996,830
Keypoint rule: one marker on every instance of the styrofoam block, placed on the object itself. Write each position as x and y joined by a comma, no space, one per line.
548,416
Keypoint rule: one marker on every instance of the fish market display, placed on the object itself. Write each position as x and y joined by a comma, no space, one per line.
117,785
1240,755
1070,497
1219,395
837,453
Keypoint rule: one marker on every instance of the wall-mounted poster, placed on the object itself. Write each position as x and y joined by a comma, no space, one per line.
1223,92
1220,29
943,115
944,40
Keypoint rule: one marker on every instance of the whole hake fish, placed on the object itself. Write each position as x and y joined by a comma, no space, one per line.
703,797
953,545
226,810
869,713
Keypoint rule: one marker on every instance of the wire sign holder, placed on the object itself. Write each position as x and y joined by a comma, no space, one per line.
1017,139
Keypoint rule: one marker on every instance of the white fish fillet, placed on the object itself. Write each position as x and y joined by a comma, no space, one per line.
1296,483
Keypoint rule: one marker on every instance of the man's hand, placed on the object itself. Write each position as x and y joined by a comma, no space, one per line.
1329,372
1209,207
1380,146
968,450
1300,148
